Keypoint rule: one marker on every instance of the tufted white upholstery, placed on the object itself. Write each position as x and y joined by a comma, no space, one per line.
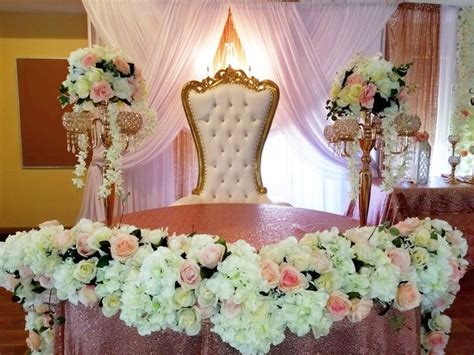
228,123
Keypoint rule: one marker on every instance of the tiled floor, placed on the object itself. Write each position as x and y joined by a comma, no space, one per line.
12,335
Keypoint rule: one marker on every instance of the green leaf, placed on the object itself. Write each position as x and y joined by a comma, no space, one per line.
358,264
397,322
63,89
397,242
104,261
386,224
60,320
221,241
353,294
42,329
16,299
434,235
137,233
105,246
394,231
38,289
207,273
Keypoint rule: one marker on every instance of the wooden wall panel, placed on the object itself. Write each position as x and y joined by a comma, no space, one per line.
43,138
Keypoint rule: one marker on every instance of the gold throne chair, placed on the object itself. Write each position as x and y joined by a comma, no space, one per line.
230,116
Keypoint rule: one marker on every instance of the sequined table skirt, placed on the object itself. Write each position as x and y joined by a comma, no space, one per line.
87,331
437,199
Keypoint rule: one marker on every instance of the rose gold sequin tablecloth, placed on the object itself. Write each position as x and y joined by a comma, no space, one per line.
87,331
437,199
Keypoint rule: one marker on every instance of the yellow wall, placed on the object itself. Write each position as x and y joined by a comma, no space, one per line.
30,196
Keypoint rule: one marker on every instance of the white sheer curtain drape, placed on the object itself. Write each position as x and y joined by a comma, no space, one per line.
447,63
306,43
173,41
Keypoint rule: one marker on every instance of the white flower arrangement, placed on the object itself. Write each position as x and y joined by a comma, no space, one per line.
101,77
462,116
156,281
375,87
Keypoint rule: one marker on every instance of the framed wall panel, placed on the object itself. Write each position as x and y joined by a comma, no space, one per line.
43,138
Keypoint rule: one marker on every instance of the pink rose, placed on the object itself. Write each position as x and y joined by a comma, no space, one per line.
82,246
89,60
456,273
270,271
33,341
47,320
408,225
63,241
436,340
206,312
366,96
403,95
122,246
400,258
189,275
101,91
122,65
354,78
360,309
338,305
465,113
42,308
211,255
291,279
25,272
45,281
52,223
455,237
322,263
87,295
137,90
231,309
407,297
422,136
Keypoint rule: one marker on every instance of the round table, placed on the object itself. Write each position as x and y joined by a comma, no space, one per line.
257,224
87,331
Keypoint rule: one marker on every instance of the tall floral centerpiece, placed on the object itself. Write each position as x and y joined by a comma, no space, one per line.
367,103
108,95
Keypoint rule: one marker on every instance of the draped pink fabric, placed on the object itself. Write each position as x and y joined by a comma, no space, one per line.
299,45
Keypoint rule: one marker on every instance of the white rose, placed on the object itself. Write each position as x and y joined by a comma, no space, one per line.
206,298
329,281
440,322
300,260
309,242
189,320
385,87
183,298
94,75
420,256
110,305
422,237
122,88
85,271
99,235
82,87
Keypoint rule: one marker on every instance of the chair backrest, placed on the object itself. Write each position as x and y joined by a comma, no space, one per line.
230,116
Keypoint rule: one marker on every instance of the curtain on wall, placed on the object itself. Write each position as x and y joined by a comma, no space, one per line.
298,45
413,36
447,63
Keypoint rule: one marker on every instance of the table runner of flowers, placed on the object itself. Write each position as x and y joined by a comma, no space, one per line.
157,281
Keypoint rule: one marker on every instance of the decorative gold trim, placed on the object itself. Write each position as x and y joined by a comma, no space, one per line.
222,77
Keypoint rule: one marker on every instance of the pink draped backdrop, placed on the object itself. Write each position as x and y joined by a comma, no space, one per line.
174,41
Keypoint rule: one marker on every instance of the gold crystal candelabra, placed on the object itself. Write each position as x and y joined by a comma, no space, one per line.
367,129
94,127
453,160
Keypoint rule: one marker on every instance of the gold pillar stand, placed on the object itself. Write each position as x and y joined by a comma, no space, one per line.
366,143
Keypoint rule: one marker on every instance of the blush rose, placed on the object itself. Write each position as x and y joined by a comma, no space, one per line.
123,246
291,279
270,271
338,305
189,275
408,297
400,258
211,255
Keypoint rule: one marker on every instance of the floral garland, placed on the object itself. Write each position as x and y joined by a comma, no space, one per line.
103,78
462,118
250,298
377,87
